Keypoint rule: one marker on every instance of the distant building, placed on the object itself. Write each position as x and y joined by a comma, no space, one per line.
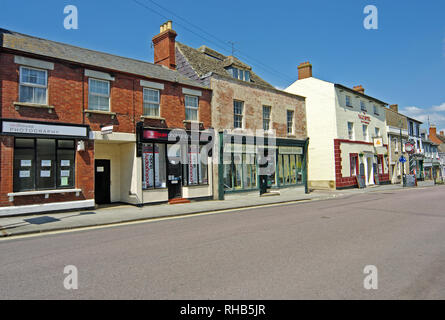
440,140
397,127
416,158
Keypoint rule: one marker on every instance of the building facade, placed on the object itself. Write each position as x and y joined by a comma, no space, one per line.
397,128
81,127
439,140
247,112
416,159
347,130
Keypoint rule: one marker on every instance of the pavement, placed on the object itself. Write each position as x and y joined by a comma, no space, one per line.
115,214
300,250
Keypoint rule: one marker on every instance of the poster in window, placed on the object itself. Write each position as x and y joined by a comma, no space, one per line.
147,160
64,163
193,164
64,173
45,173
46,163
158,183
24,174
64,181
25,163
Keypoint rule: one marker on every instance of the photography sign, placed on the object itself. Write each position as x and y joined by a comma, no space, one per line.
30,128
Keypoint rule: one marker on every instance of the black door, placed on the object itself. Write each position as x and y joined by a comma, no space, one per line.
102,181
174,173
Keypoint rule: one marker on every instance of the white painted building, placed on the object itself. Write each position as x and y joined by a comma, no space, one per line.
342,124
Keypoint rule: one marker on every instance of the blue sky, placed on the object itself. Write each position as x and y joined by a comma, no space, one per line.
402,62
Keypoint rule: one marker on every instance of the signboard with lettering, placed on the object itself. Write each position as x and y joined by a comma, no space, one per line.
410,180
361,182
30,128
364,118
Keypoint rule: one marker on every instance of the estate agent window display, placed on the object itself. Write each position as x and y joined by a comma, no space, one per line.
43,164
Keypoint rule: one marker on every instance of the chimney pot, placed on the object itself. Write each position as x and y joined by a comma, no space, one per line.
359,89
394,107
164,46
304,70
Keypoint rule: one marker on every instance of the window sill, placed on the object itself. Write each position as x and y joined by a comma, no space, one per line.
291,135
90,112
18,105
40,192
153,118
192,121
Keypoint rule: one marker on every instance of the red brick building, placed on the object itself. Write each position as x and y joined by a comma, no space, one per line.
80,127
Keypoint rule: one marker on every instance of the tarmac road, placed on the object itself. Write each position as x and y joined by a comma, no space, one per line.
310,250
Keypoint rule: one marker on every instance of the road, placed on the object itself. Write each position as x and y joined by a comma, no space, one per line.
310,250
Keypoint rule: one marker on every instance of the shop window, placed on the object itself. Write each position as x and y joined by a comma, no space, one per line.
290,169
191,108
33,85
43,164
151,102
153,166
197,167
99,95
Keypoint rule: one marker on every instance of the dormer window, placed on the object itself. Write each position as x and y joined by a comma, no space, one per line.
240,74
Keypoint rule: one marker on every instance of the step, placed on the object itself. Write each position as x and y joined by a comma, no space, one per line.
178,201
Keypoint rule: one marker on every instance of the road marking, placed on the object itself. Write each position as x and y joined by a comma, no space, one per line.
150,220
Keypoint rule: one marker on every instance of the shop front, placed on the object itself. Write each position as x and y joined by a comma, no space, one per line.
240,158
45,166
176,164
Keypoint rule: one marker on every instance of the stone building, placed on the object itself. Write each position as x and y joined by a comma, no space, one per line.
242,104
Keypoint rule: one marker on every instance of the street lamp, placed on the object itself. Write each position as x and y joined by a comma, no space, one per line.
402,164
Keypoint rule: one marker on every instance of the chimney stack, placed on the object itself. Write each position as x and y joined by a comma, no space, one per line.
304,70
359,89
441,133
394,107
164,46
433,131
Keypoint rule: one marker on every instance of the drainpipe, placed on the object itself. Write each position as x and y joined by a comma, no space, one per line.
220,168
305,172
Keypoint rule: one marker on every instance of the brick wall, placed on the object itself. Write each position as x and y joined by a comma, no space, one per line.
68,93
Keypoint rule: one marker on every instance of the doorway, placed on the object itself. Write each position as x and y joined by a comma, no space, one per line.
102,181
370,170
174,172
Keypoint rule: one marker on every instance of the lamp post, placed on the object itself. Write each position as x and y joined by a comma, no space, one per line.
402,164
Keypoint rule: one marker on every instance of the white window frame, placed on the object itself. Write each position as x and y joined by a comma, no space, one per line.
365,136
377,132
396,144
33,85
363,106
346,101
376,110
268,119
351,134
238,114
193,108
98,94
158,103
293,122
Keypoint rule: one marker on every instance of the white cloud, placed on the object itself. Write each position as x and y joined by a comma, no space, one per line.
434,114
439,108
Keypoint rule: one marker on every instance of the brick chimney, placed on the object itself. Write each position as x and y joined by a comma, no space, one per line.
433,131
304,70
164,46
359,89
394,107
441,133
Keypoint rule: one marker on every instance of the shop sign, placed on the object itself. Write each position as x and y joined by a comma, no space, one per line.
290,150
378,142
43,129
364,118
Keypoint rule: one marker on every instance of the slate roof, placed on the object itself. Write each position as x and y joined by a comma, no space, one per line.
205,60
29,44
